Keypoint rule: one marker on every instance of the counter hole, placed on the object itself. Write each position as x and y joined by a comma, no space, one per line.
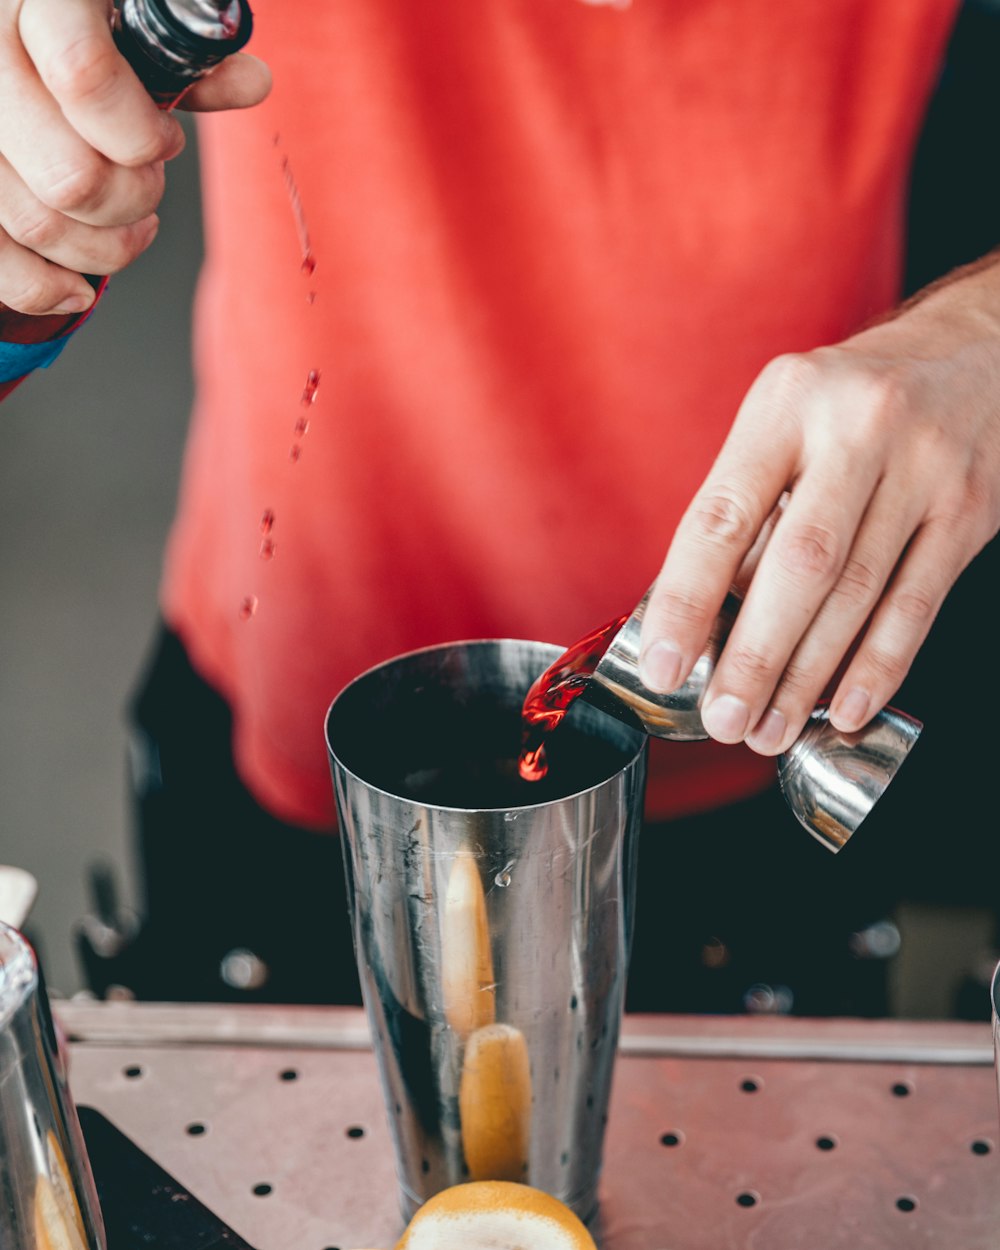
750,1085
906,1204
196,1130
133,1072
290,1074
826,1143
981,1147
355,1131
748,1199
902,1089
671,1139
262,1190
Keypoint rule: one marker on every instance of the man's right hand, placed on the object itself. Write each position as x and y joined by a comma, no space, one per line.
82,149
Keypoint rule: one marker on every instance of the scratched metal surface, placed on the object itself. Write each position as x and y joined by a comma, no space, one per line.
711,1145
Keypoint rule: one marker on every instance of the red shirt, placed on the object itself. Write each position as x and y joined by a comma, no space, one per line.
484,286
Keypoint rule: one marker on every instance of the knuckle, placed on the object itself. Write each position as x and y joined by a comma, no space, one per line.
809,550
32,297
883,391
877,400
797,682
916,605
721,518
36,228
72,188
680,605
125,247
791,375
85,71
150,146
859,583
750,664
976,511
886,666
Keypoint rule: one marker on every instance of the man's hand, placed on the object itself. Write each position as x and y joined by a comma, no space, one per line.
889,448
82,149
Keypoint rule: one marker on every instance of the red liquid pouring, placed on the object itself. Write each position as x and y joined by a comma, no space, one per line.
554,693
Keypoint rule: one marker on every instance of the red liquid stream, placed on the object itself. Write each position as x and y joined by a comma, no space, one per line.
305,245
555,692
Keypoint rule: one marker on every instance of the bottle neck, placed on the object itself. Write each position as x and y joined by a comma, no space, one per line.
185,37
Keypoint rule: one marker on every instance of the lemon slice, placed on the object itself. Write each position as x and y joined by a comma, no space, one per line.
495,1215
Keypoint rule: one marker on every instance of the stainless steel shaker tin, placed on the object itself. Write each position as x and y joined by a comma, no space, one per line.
492,941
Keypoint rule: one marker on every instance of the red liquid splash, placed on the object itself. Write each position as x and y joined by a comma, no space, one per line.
554,693
310,388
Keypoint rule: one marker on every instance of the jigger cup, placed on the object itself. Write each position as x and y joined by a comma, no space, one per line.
831,780
47,1193
491,917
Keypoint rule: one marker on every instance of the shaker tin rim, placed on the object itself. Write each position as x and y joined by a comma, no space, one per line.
636,756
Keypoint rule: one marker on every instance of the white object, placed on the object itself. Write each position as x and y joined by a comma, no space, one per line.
18,890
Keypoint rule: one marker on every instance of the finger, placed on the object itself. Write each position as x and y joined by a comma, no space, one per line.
29,284
886,529
724,521
55,162
72,49
798,568
744,574
239,82
55,237
935,558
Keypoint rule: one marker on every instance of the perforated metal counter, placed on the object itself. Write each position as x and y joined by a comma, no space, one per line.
724,1134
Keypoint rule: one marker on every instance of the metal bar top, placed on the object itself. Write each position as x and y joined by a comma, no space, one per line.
725,1133
345,1028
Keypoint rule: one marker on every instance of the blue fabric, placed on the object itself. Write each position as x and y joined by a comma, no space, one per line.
17,360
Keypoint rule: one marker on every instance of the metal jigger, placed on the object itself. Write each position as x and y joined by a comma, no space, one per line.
830,780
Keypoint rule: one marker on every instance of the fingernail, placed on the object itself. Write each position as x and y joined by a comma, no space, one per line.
74,304
726,718
660,667
769,732
851,712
